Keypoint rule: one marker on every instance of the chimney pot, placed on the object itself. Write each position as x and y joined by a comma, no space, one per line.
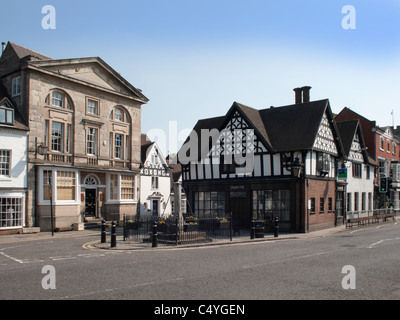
306,94
3,47
298,95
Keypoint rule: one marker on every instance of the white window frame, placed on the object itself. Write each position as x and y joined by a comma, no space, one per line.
8,115
92,109
119,192
19,196
94,140
40,187
8,164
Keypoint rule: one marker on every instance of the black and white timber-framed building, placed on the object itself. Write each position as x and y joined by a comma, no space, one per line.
280,140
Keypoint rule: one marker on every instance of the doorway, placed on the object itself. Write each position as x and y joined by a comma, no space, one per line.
90,203
240,208
155,208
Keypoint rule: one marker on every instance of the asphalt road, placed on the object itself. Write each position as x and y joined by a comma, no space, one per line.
296,269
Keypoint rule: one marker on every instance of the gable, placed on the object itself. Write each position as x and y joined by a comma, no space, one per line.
92,71
239,136
325,139
155,164
356,150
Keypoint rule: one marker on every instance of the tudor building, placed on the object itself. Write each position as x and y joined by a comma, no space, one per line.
282,141
84,142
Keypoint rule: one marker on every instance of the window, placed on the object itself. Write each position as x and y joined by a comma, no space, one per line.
394,148
312,206
91,141
122,187
119,115
68,139
330,205
363,201
118,146
356,201
92,107
58,99
357,171
209,204
57,130
321,205
16,86
66,184
154,182
323,163
127,187
369,200
6,116
388,146
381,143
5,163
113,187
47,177
11,212
349,202
368,171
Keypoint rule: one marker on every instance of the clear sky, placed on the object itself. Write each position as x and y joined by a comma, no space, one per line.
194,58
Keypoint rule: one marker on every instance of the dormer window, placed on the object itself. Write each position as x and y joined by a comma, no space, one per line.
6,116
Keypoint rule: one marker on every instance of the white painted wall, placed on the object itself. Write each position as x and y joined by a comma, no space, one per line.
16,141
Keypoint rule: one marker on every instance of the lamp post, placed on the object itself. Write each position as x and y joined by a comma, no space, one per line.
51,206
297,168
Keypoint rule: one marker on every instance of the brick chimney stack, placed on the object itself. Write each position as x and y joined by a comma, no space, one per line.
302,95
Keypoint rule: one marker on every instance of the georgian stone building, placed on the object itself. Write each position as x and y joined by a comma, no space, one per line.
84,142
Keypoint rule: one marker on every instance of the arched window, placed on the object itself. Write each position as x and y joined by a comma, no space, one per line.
58,98
58,135
119,114
119,139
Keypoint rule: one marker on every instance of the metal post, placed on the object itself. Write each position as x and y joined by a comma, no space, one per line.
124,231
230,226
276,227
154,237
103,231
113,235
253,229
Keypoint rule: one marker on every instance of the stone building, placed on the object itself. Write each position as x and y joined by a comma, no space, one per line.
84,141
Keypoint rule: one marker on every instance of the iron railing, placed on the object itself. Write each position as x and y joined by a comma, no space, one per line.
174,231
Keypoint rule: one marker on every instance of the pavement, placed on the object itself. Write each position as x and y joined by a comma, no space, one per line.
95,235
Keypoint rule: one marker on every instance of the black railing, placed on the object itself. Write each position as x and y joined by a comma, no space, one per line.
174,231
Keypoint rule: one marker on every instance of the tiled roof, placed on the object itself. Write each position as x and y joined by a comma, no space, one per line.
284,129
22,52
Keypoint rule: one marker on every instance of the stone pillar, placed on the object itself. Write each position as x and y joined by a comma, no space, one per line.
177,202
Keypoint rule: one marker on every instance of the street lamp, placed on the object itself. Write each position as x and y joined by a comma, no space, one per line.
42,149
51,205
297,167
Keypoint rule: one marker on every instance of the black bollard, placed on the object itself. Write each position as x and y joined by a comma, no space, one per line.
103,231
276,227
154,237
253,229
113,235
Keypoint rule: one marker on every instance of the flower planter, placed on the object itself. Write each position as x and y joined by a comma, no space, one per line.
132,225
190,227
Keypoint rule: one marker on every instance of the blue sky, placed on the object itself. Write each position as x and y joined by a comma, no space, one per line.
193,59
